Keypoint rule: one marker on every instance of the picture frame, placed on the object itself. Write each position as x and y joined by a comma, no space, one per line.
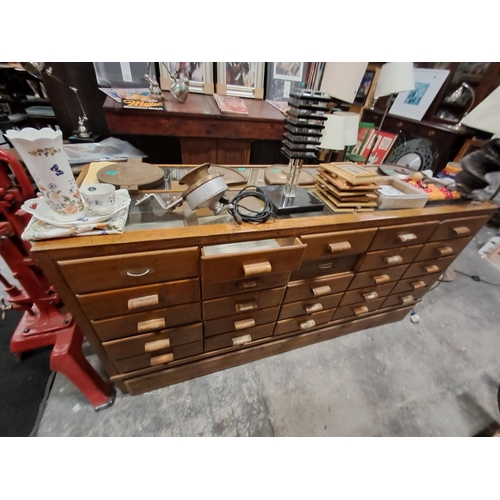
200,75
284,77
364,87
241,79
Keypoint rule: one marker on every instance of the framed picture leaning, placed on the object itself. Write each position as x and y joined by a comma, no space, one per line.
242,79
283,77
199,74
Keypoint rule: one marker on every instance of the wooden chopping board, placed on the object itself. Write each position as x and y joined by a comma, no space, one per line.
132,174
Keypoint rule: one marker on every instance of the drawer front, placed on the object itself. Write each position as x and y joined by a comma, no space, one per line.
309,306
388,258
158,358
402,236
321,267
148,321
226,288
238,339
318,287
338,243
241,266
367,294
239,323
155,341
359,309
442,249
405,298
414,284
377,277
303,323
458,228
245,302
106,273
118,302
427,267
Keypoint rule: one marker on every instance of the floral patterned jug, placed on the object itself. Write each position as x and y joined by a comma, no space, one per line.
43,154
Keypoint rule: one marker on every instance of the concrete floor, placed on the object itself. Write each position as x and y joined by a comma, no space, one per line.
436,378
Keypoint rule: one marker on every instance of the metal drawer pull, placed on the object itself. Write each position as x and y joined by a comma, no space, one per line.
307,324
244,324
407,299
159,360
460,231
148,300
325,266
314,308
383,278
244,285
339,247
370,296
418,284
156,345
150,324
138,275
321,290
431,269
360,310
403,238
259,268
247,306
445,251
244,339
393,260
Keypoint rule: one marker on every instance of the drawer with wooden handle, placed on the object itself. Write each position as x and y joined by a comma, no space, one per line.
147,321
402,236
439,249
302,324
130,270
426,267
377,277
238,339
158,358
285,256
458,228
405,298
245,302
226,288
309,306
385,259
322,267
240,322
367,294
317,287
358,309
117,302
339,243
154,341
417,283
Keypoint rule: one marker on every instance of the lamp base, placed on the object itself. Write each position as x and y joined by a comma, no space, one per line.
75,138
284,205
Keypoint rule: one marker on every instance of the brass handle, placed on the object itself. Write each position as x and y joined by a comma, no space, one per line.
307,324
431,269
339,247
325,266
159,360
314,308
399,124
460,231
243,324
360,310
321,290
137,275
393,260
431,133
245,285
370,296
244,339
403,238
445,251
148,300
407,299
383,278
156,345
418,284
258,268
150,324
247,306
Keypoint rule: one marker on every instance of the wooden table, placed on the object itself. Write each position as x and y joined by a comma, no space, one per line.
205,134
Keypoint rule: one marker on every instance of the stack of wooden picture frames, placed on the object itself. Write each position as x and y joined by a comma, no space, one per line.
347,187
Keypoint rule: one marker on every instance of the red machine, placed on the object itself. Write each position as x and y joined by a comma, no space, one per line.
44,322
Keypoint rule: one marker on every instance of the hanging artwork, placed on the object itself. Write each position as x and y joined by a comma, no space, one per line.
242,79
199,74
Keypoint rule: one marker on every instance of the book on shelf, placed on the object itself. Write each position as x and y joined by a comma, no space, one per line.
363,132
231,104
377,146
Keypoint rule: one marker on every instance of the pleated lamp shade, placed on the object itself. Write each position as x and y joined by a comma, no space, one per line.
342,79
395,77
486,115
351,127
333,133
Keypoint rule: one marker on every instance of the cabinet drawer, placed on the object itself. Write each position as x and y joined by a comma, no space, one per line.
427,267
405,298
413,284
309,306
367,294
244,302
377,277
358,310
226,288
321,267
303,323
402,236
158,358
241,265
299,290
388,258
155,341
239,323
442,249
118,302
458,228
158,319
238,338
338,243
106,273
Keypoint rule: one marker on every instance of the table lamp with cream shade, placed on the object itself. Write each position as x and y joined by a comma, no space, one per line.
486,115
341,131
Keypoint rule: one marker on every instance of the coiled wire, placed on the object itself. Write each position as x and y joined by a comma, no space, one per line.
255,216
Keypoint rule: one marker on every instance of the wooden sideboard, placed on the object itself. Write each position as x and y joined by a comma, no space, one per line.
166,304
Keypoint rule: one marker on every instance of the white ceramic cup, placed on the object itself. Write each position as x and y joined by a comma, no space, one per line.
100,198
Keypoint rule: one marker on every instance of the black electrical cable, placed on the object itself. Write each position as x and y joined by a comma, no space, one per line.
256,216
477,278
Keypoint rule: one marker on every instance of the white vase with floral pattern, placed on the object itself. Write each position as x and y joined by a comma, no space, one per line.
43,154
